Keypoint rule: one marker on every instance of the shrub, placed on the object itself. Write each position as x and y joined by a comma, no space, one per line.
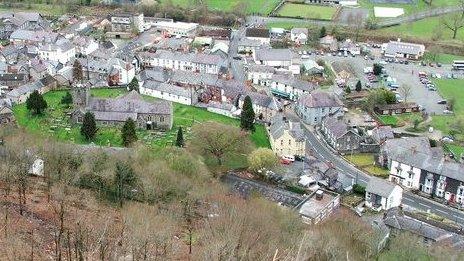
359,189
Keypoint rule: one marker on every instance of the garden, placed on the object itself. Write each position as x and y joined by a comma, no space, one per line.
366,162
55,123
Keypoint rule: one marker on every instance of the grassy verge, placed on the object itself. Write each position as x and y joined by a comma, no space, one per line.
307,11
55,123
400,119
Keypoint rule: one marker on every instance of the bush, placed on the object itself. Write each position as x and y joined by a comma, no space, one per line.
295,189
359,189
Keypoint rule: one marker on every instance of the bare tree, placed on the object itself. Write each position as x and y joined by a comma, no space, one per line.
454,22
219,140
405,91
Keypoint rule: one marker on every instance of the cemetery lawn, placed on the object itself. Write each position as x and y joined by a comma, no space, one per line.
55,123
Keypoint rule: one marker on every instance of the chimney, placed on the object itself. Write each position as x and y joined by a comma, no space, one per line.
319,195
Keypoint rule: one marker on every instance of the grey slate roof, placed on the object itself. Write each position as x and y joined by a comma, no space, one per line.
130,105
337,128
394,47
29,87
279,125
193,78
34,36
395,219
417,152
262,100
319,100
167,88
153,75
201,58
380,187
293,82
274,55
382,133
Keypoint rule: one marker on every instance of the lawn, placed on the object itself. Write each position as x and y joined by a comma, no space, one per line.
455,149
54,123
430,29
365,162
400,119
263,7
450,88
307,11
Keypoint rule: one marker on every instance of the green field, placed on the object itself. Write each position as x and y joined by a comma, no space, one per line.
429,29
252,6
54,123
442,58
450,89
420,5
307,11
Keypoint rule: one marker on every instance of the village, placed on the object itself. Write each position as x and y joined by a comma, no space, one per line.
372,127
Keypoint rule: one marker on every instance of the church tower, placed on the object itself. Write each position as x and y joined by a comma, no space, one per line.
80,94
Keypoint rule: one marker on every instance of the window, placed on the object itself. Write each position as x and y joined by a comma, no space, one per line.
289,142
410,175
282,143
161,119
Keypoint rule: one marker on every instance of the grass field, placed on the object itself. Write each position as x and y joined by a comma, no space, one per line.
54,123
430,29
410,8
252,6
450,89
307,11
442,58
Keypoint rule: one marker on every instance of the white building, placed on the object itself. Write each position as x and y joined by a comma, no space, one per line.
85,45
127,22
195,62
279,58
259,74
398,49
287,86
59,52
299,35
177,28
314,107
382,195
168,92
37,168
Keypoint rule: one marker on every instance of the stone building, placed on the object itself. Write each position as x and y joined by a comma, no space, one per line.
156,115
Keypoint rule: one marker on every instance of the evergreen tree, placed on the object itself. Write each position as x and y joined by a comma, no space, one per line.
348,89
128,132
36,103
377,70
247,117
67,99
124,181
89,127
358,86
133,85
323,32
180,138
78,74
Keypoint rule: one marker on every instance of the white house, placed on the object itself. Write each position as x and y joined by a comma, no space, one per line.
120,72
176,28
279,58
127,22
288,87
85,45
314,107
398,49
168,92
195,62
286,137
299,35
62,52
382,195
259,74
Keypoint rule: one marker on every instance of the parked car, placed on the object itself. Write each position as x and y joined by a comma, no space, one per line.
442,102
289,158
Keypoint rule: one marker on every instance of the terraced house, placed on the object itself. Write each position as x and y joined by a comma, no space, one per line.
195,62
415,165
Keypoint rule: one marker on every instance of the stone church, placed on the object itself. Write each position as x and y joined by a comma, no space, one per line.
157,115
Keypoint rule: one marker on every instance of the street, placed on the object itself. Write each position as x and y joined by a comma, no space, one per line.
409,199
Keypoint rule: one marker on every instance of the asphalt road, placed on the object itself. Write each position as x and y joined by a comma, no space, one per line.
411,200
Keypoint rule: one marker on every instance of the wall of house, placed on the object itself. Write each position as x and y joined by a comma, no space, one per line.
166,96
287,145
404,175
315,116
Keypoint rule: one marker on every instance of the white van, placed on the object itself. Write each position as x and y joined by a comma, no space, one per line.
288,157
